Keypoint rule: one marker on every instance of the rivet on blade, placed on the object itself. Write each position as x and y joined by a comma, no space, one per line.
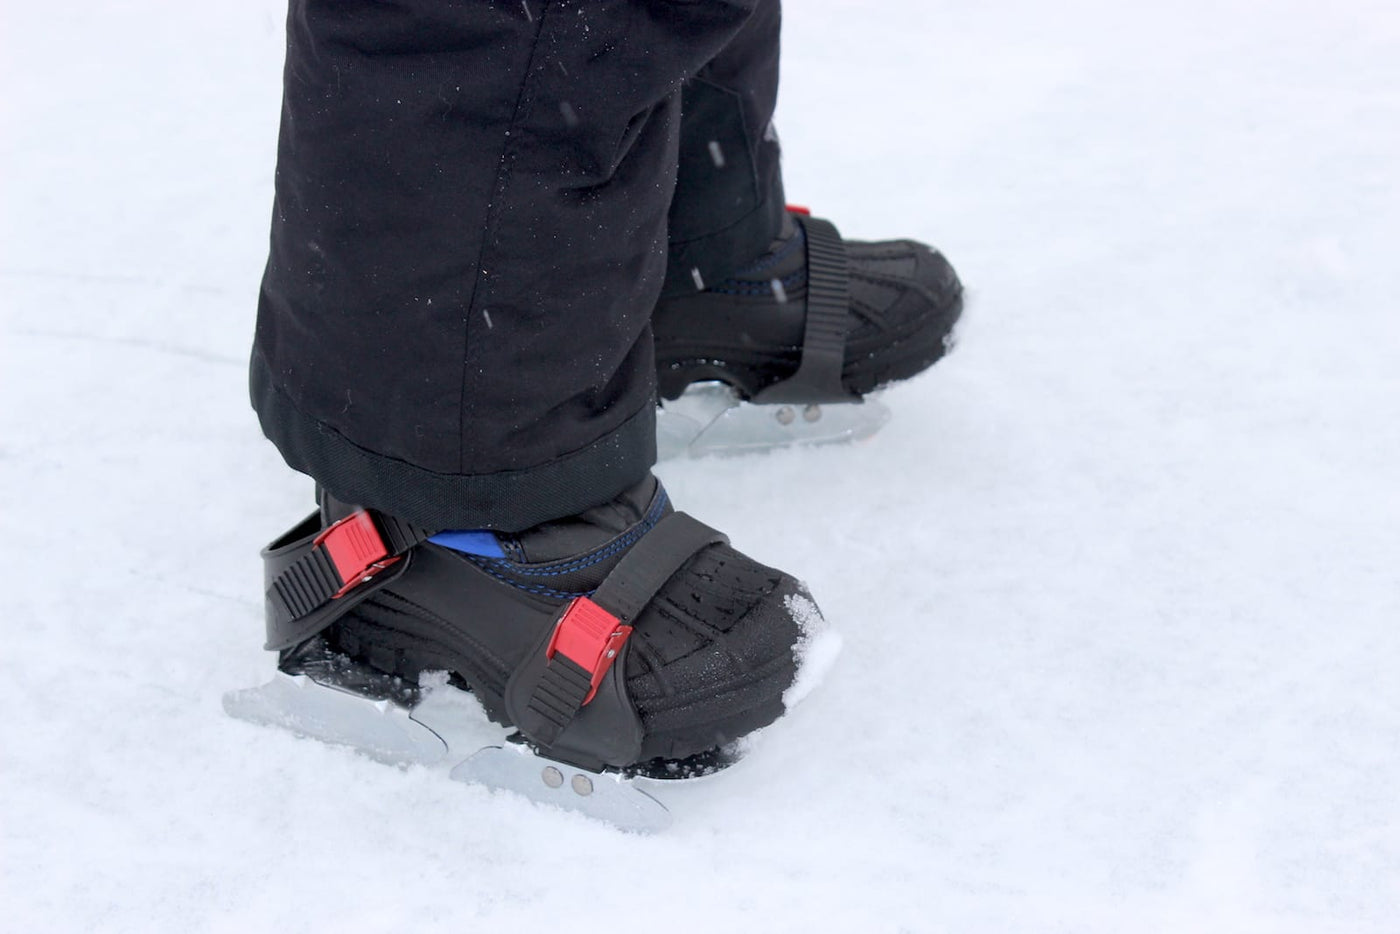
583,785
785,415
552,776
811,413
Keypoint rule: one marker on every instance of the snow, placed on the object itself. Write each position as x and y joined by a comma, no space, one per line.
816,651
1117,586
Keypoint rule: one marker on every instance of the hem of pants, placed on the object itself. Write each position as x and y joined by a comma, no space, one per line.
507,501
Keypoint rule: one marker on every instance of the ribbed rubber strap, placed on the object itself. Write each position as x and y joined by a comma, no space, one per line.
558,697
310,580
308,583
653,561
818,376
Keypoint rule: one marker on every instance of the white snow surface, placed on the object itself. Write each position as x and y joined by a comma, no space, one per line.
1119,586
815,652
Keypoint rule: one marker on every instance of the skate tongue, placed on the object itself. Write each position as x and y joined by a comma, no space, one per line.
549,541
471,541
575,535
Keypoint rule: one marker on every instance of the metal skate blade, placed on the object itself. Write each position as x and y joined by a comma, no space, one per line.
381,729
710,418
599,795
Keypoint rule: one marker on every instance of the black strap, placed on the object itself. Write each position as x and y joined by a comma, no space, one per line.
558,697
564,685
653,561
818,376
303,586
305,577
400,536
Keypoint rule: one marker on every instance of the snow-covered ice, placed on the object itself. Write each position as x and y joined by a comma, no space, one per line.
1118,586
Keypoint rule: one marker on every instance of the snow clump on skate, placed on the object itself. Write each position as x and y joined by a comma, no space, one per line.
815,652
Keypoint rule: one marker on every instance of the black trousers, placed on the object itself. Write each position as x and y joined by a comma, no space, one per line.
477,207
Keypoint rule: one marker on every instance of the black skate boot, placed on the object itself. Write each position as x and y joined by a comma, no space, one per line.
815,322
629,639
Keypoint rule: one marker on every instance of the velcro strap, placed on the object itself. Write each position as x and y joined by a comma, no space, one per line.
348,553
590,633
818,376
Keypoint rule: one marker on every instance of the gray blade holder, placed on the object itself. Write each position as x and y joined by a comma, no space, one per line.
603,796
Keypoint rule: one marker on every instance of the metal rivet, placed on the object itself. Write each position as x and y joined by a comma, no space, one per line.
552,776
811,413
583,785
785,415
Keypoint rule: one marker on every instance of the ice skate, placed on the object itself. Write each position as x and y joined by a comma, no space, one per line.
627,642
789,350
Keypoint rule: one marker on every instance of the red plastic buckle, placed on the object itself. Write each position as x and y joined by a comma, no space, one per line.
590,637
356,550
799,209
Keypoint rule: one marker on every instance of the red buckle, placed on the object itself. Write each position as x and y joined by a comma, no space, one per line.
356,550
799,209
590,637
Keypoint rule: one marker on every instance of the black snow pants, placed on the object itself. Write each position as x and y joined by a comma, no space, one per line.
477,206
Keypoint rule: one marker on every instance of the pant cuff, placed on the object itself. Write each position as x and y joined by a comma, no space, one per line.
506,501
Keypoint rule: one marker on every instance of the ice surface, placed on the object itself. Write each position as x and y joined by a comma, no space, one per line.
1117,584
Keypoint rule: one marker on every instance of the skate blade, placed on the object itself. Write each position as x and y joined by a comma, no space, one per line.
381,729
602,796
710,418
444,726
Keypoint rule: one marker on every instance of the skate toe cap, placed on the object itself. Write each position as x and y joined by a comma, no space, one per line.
714,654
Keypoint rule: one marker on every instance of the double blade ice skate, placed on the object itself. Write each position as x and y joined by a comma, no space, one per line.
626,642
789,350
